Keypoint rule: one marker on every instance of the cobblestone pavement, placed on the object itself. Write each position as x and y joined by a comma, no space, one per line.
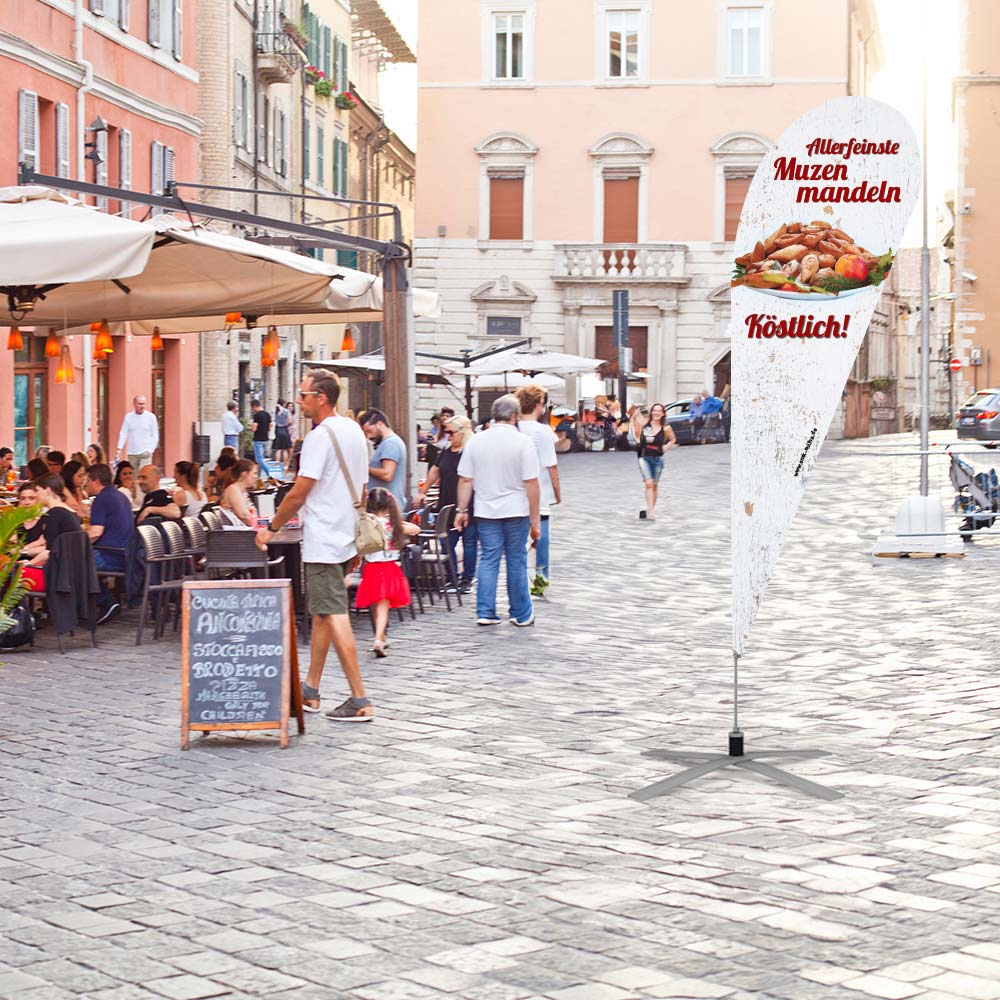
477,841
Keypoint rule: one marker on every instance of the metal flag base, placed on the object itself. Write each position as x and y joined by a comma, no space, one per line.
705,763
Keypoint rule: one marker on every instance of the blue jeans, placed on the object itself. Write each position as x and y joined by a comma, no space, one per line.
542,550
508,537
259,449
231,440
107,562
470,546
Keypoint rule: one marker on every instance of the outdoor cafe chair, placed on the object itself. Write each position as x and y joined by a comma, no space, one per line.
211,518
163,576
195,534
437,555
234,555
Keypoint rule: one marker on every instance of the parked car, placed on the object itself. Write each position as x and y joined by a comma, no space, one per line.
679,417
979,416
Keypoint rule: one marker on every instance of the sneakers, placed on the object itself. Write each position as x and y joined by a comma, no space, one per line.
489,621
352,710
310,698
525,624
466,587
110,613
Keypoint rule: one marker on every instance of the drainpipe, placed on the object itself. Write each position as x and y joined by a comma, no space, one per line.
82,90
256,107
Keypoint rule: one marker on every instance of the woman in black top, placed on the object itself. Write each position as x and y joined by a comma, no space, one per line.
58,520
655,437
458,430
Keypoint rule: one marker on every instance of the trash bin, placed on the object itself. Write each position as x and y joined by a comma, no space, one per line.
201,449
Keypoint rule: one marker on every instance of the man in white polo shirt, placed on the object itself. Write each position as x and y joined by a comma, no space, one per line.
502,466
328,551
140,434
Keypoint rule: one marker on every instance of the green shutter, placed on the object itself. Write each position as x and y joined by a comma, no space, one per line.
326,54
344,68
320,154
336,166
307,128
347,258
335,79
343,170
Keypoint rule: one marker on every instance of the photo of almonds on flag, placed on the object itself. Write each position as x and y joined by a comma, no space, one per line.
810,258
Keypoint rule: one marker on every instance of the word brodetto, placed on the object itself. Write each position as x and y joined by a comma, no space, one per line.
767,327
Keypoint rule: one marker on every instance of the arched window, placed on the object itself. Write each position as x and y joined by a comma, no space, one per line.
505,186
737,156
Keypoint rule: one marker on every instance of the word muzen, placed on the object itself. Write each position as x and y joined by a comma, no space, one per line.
765,327
788,168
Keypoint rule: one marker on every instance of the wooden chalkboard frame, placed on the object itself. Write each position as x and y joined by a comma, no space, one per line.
291,690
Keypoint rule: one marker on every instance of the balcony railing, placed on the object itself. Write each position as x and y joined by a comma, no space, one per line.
278,56
641,262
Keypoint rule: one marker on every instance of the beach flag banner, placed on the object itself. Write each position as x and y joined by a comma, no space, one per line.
820,227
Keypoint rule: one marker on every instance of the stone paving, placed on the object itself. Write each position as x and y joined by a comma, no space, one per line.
477,841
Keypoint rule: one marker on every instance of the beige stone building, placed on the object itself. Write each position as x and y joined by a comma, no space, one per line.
251,100
977,198
579,147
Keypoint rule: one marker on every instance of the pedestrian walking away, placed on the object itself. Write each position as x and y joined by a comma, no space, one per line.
140,434
261,433
655,437
388,462
282,437
502,467
383,585
232,426
532,400
324,495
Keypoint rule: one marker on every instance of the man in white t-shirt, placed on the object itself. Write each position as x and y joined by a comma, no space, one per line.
140,434
328,551
502,467
532,399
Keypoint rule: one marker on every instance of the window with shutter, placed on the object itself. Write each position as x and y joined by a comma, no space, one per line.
736,192
344,68
178,29
335,78
320,156
97,7
343,169
335,184
156,168
124,13
326,54
168,167
239,128
280,132
125,167
101,166
506,208
62,140
27,129
153,31
306,143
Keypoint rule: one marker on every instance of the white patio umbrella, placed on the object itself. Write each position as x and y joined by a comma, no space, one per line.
47,239
532,361
515,380
188,280
374,364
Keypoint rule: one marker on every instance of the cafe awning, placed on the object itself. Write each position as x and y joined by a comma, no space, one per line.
373,365
188,280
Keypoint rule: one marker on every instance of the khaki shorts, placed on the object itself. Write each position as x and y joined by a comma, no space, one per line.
326,588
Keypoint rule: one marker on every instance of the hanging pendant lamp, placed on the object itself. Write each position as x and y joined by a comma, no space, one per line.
156,341
52,344
65,374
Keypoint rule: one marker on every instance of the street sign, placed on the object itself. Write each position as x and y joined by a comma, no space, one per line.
955,364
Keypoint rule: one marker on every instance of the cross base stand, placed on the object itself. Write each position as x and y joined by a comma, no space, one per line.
705,763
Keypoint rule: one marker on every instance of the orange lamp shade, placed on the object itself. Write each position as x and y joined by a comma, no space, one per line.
234,317
156,342
104,345
347,344
15,342
95,327
52,345
65,375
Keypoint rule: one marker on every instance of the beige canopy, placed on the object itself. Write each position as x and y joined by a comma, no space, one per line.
190,279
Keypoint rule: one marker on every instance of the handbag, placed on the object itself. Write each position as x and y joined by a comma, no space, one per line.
369,536
22,631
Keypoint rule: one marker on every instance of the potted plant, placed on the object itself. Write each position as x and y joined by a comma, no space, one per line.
323,88
12,590
346,101
314,74
295,32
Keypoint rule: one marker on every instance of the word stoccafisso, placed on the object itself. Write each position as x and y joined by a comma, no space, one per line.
767,327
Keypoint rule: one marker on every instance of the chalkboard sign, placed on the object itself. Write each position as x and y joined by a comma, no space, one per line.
239,658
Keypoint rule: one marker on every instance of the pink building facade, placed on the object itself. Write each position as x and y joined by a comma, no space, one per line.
573,148
64,64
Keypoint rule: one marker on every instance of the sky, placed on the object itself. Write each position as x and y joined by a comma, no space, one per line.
907,28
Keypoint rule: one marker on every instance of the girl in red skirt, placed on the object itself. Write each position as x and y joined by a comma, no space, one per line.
383,585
